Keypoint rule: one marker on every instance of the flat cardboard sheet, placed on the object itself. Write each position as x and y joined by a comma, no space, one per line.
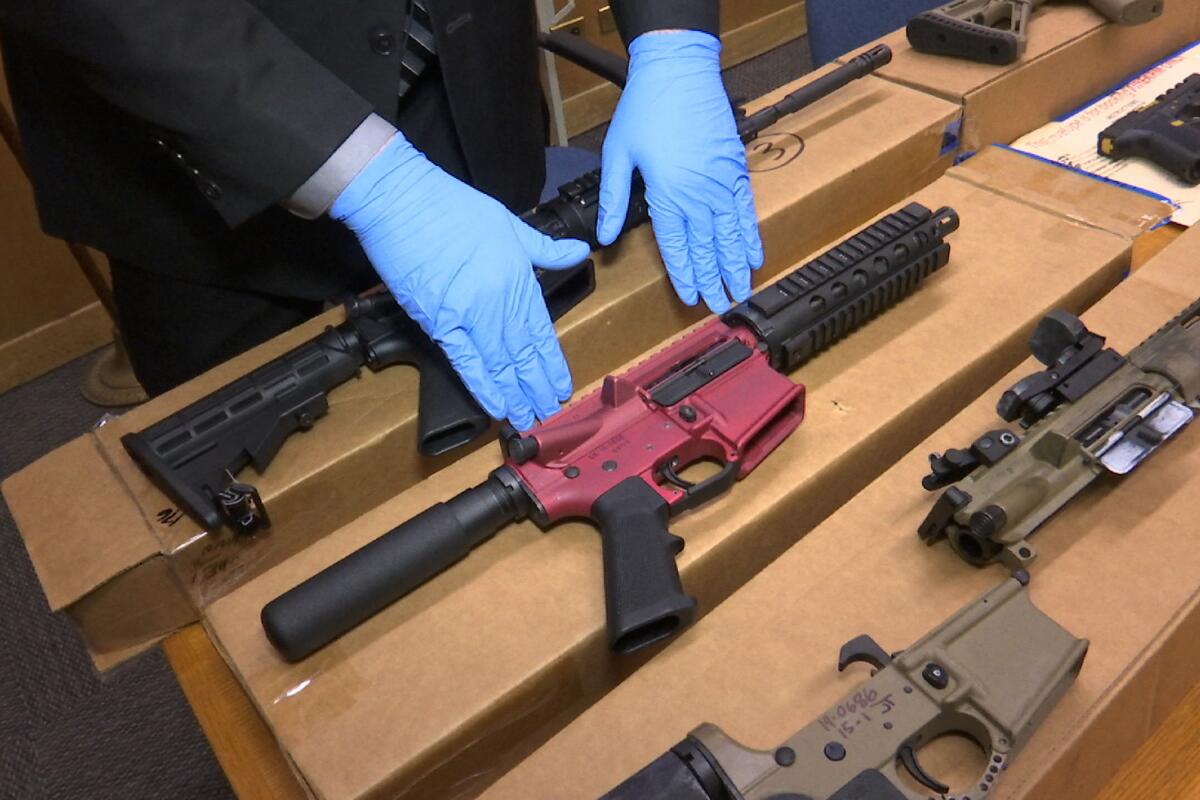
816,175
1073,55
1072,141
1115,566
439,694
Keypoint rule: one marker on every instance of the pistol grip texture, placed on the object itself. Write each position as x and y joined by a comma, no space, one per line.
447,414
644,596
669,777
339,598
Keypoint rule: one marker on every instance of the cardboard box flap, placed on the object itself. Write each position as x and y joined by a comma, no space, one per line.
76,546
1072,195
1110,569
441,691
1174,264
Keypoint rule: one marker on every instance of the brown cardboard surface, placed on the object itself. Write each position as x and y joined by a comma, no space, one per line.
1115,567
443,691
863,149
1074,54
35,352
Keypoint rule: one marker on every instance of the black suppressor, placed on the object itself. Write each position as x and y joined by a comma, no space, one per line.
313,614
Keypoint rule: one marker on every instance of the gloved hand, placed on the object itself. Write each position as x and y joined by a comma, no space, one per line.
461,265
674,124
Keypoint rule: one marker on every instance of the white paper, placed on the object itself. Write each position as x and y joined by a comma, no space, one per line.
1072,141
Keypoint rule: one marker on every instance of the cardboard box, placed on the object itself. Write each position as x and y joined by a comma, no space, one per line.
1074,54
443,691
844,159
48,311
1113,567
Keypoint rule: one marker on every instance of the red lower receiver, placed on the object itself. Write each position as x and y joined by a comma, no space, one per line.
730,407
618,456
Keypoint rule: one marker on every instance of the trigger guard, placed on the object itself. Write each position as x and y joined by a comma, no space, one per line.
908,758
696,494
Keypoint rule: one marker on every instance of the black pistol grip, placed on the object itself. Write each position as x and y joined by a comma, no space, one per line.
447,414
1160,148
671,777
643,593
564,289
338,599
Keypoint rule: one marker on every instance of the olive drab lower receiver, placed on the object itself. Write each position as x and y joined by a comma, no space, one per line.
992,672
1091,412
997,31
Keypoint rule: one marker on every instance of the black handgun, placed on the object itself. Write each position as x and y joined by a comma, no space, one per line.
1166,132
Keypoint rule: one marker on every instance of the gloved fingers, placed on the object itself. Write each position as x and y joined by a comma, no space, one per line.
554,363
504,374
482,328
525,354
670,231
469,364
743,197
549,253
702,252
731,253
616,178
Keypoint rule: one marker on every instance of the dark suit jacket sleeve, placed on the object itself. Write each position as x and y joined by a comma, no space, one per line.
635,17
241,106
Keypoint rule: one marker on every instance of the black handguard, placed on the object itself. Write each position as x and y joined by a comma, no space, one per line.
643,593
794,332
344,595
1165,132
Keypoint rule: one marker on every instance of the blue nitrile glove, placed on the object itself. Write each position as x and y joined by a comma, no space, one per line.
674,124
461,265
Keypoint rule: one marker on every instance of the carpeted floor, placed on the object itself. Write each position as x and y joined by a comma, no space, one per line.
65,730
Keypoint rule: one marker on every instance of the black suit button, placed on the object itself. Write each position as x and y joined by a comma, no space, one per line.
383,41
209,189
